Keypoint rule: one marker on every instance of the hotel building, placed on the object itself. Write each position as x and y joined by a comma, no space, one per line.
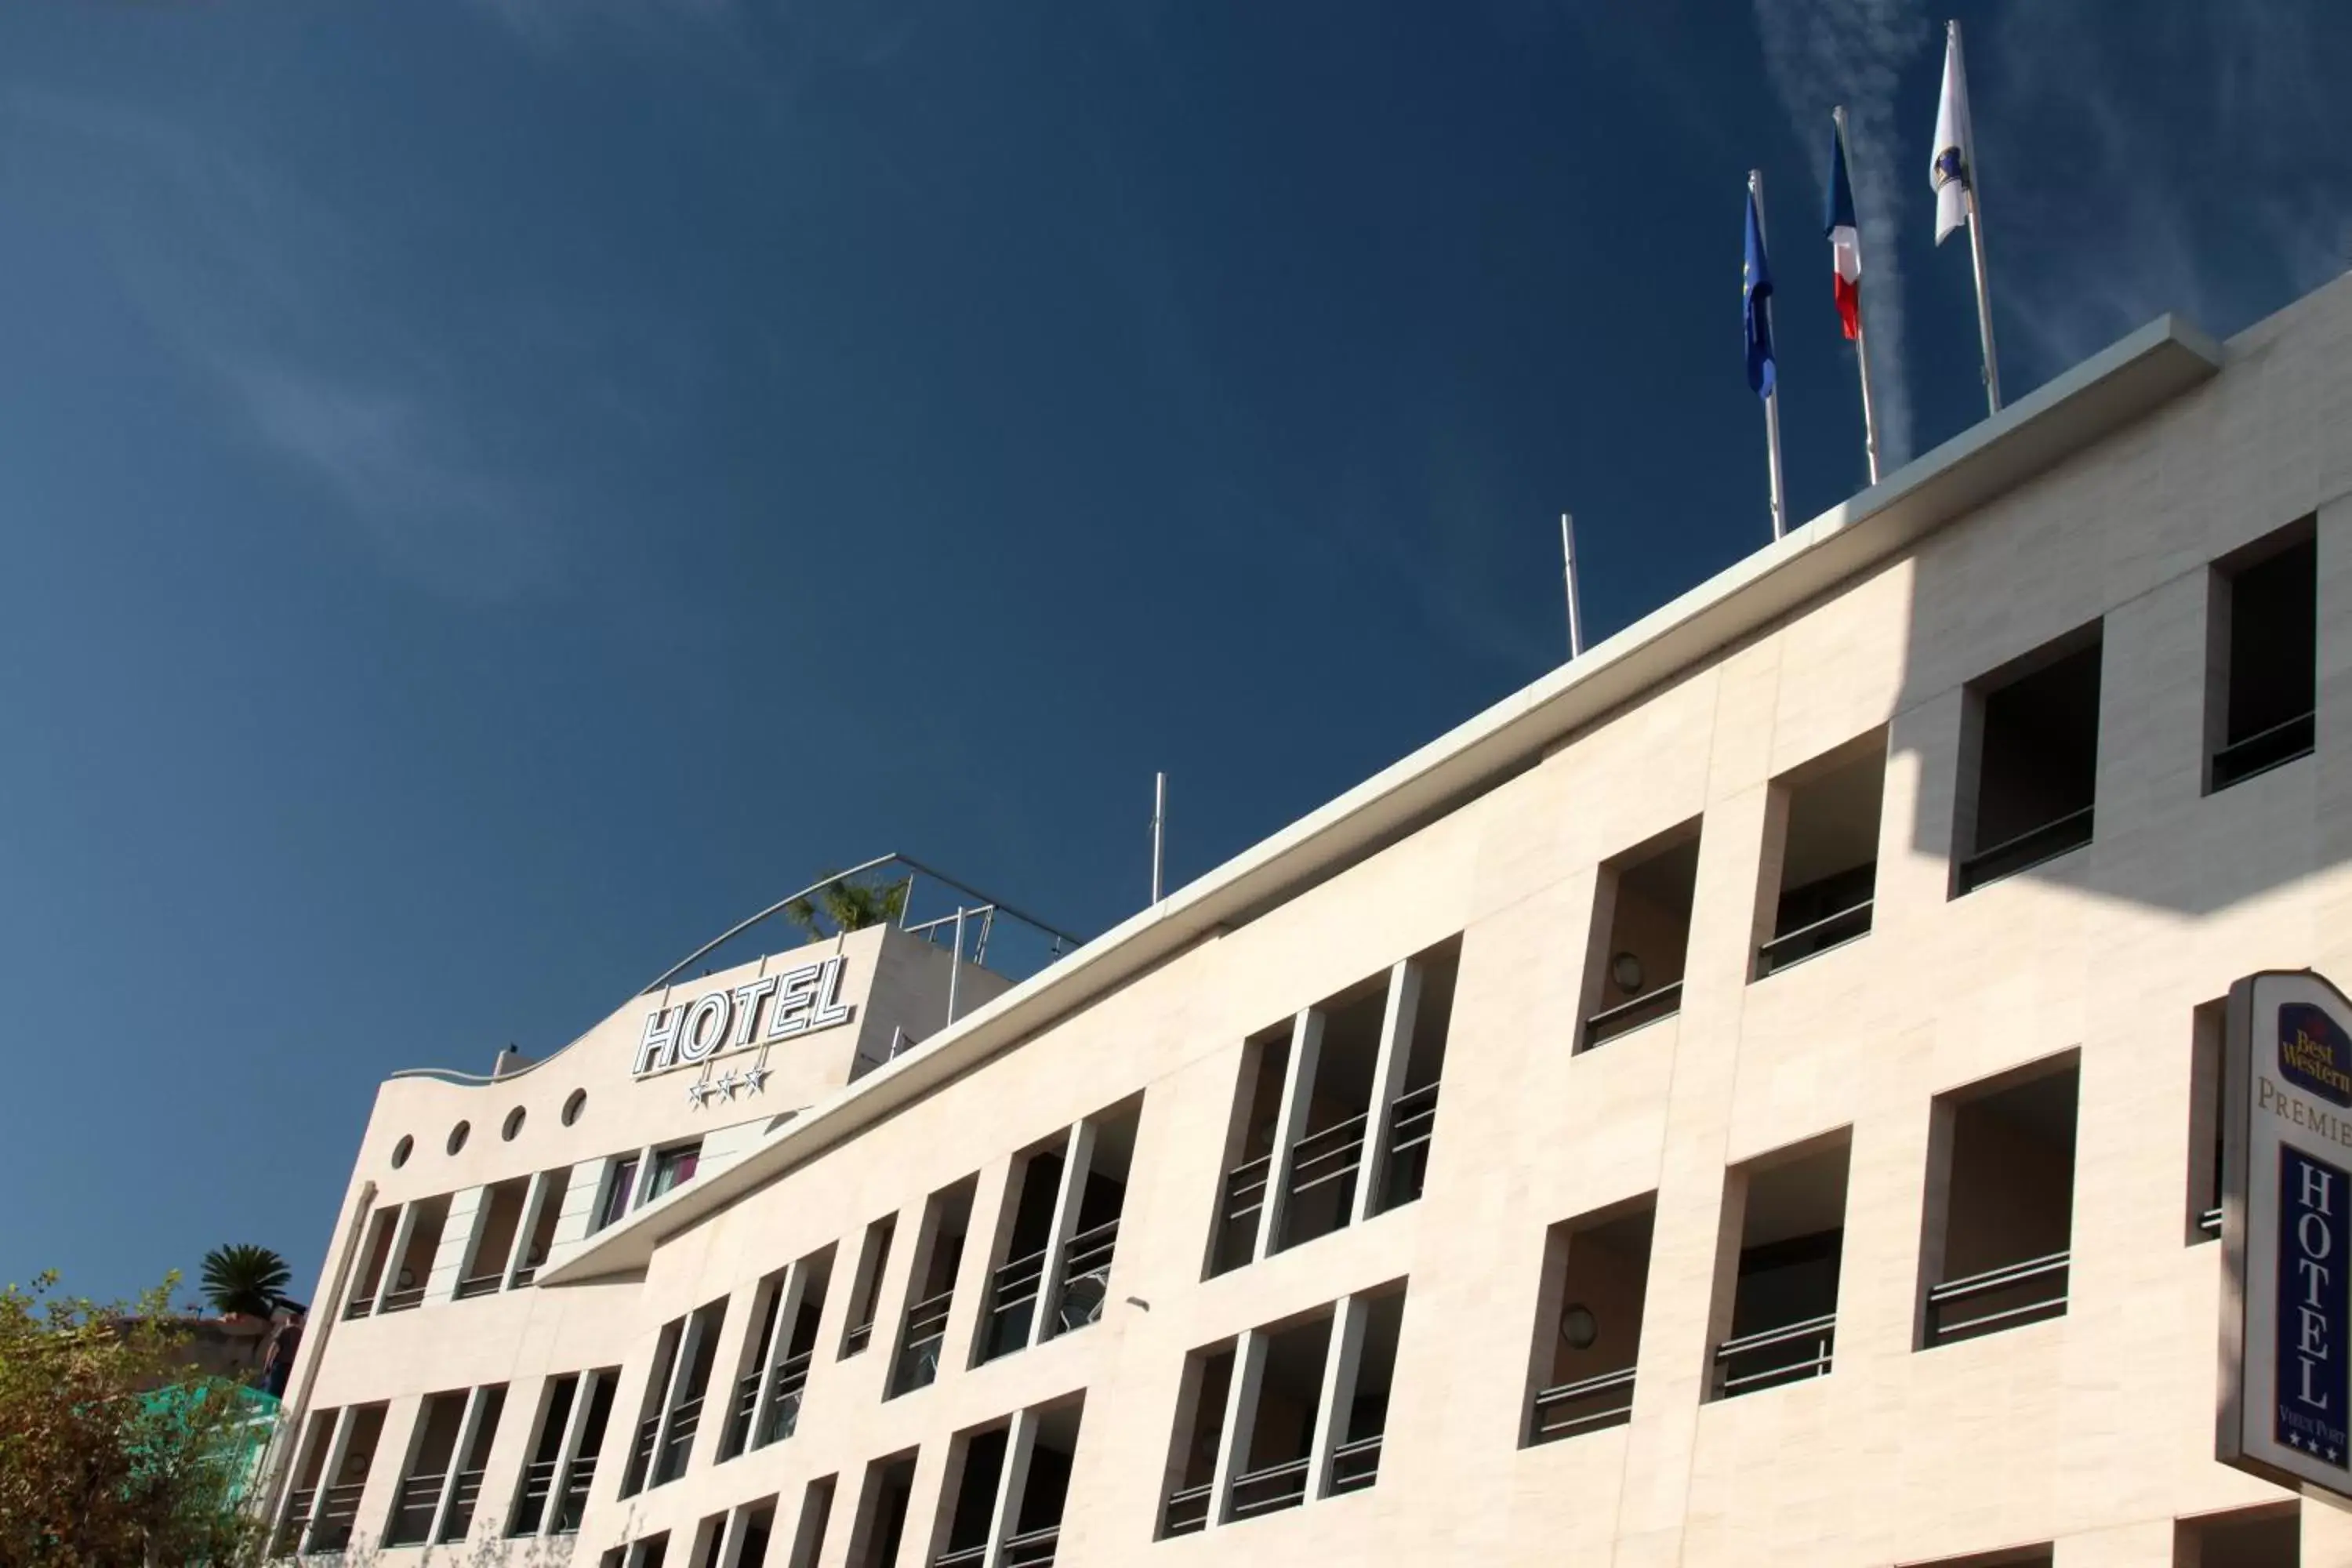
1750,1097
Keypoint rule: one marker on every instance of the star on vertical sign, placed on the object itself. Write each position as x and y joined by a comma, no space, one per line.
728,1084
754,1079
697,1092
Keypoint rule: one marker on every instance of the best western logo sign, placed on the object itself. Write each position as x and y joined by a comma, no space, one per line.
773,1007
2286,1233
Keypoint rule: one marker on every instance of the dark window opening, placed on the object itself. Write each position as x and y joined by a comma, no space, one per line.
1199,1435
1014,1287
1589,1323
1783,1311
1829,855
2207,1104
2266,1537
1277,1429
412,1270
866,1290
571,1495
673,1168
939,1253
1360,1426
890,1483
485,1273
1996,1254
465,1488
541,1234
546,1452
1640,922
618,1184
417,1498
2264,657
1412,1120
339,1508
2034,740
1319,1195
1257,1108
1084,1286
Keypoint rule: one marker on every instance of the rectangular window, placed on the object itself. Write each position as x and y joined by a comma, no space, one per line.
302,1497
373,1255
2028,762
529,1513
2001,1203
673,1168
2263,657
579,1474
675,1388
416,1501
620,1182
1640,931
1588,1323
1089,1239
1825,815
414,1267
339,1508
2270,1536
939,1253
1201,1396
496,1225
539,1233
1335,1111
882,1511
2208,1096
473,1464
1780,1325
866,1290
1007,1484
774,1373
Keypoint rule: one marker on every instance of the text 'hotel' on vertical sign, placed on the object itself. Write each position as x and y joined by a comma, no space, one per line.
2286,1233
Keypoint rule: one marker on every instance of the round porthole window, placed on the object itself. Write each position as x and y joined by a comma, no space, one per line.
513,1124
575,1105
400,1151
457,1136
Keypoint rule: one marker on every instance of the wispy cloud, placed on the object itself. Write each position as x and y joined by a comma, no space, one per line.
432,510
2191,162
1823,53
245,277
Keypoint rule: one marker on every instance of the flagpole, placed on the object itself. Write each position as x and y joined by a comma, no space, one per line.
1975,240
1861,342
1771,398
1568,565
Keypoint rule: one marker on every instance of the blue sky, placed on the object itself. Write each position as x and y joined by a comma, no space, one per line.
497,491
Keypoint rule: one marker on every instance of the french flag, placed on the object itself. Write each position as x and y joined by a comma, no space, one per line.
1845,240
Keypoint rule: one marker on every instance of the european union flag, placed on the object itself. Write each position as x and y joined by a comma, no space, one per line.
1756,305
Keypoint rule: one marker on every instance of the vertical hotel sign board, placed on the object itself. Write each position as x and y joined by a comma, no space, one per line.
2286,1233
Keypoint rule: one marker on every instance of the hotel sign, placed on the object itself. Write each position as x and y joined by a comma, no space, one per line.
770,1008
2286,1233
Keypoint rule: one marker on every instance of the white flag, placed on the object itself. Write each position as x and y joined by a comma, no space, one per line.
1953,169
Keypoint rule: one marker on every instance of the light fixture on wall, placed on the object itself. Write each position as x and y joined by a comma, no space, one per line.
1579,1327
1626,971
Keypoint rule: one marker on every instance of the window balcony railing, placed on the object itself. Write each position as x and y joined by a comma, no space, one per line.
463,1500
360,1307
641,1457
1587,1404
289,1529
2033,1290
480,1285
2210,1222
571,1506
1086,1277
860,1336
333,1531
1012,1300
962,1557
926,1335
1627,1016
1774,1356
2027,850
1326,1154
790,1377
403,1300
1413,1120
1356,1465
1033,1549
1187,1512
412,1507
2263,750
530,1503
1245,1187
1271,1487
683,1423
1810,941
523,1276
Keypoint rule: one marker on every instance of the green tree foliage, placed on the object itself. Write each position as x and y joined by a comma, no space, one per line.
245,1279
113,1451
847,906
